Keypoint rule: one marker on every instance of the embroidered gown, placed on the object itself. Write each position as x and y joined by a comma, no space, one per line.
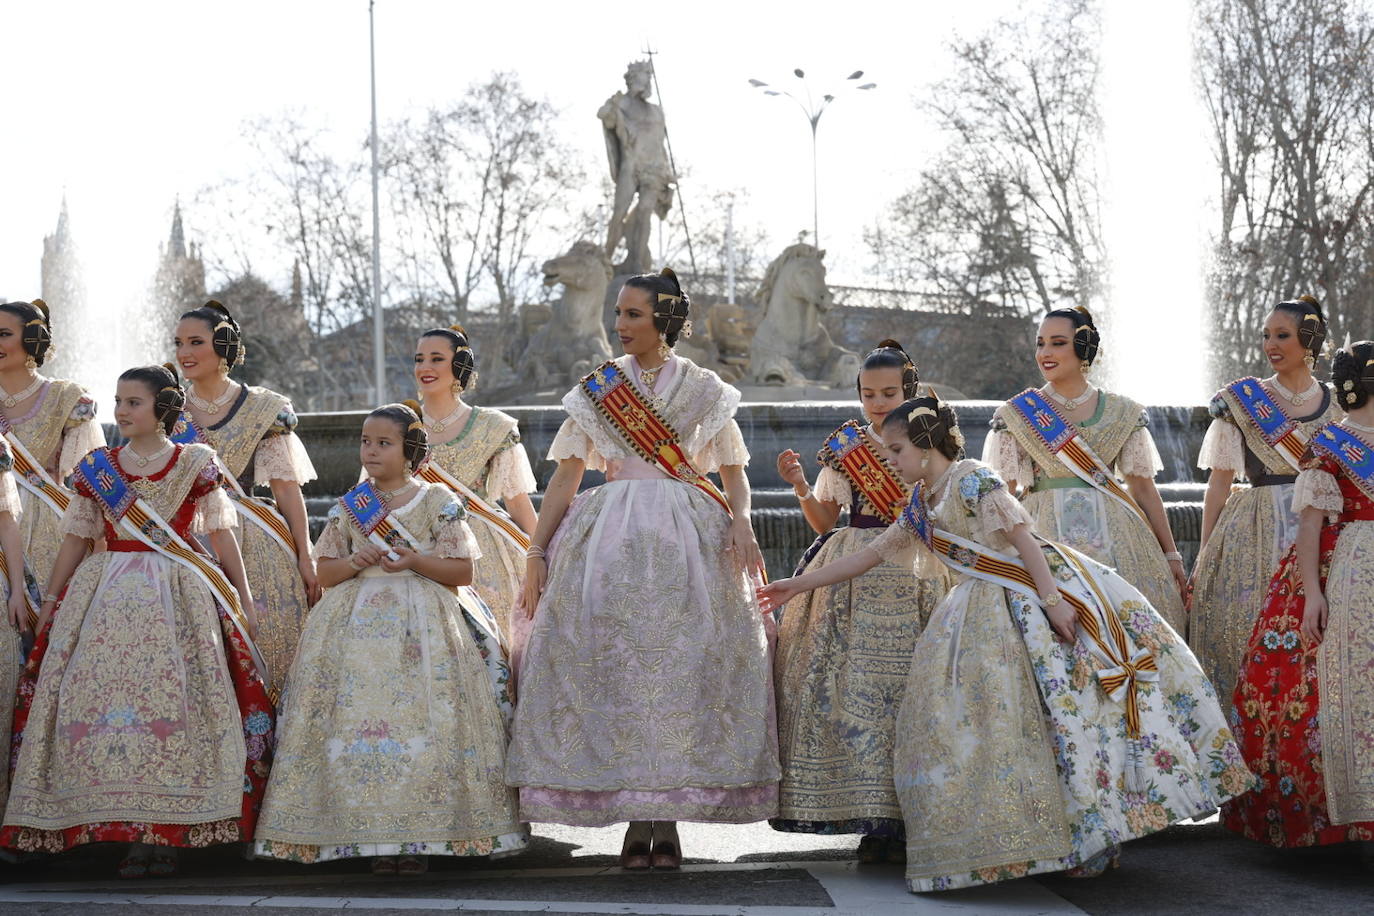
11,649
58,430
141,716
487,457
1070,511
257,443
393,733
1010,758
1251,535
1305,715
841,669
646,688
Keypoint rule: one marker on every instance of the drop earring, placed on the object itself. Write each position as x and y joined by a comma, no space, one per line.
1311,362
30,363
1085,367
223,366
664,350
925,458
456,388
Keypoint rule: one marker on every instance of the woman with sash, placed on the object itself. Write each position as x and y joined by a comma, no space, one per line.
393,728
142,715
1065,444
844,650
252,430
49,425
476,453
646,690
1050,713
20,602
1260,430
1305,694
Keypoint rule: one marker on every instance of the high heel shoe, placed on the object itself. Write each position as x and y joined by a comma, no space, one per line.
667,855
634,856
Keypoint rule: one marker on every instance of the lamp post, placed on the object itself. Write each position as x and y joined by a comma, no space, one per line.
378,322
813,114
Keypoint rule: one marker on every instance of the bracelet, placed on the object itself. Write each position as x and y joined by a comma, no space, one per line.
803,497
535,552
1173,555
353,562
53,598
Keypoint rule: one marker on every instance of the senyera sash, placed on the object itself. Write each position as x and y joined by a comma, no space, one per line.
850,451
647,433
1044,421
499,521
1124,667
1281,432
30,473
132,515
259,513
1354,456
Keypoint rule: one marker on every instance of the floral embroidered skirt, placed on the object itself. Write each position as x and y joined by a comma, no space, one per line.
141,716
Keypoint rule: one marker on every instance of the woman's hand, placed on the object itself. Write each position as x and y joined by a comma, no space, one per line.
1180,577
365,556
250,613
19,611
45,612
745,547
1063,618
1314,619
775,594
405,559
536,577
309,578
790,469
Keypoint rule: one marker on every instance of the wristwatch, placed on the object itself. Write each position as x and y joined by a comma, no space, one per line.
1052,599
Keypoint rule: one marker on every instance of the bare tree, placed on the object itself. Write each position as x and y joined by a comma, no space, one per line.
1288,89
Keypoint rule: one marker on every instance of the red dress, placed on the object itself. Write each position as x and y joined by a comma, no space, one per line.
1277,705
258,718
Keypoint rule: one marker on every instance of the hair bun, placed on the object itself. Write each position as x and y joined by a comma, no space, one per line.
216,305
413,404
671,274
888,343
459,329
172,368
43,307
1083,310
1309,299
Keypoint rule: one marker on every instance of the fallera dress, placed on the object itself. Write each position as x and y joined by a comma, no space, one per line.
1305,714
257,443
141,716
394,723
11,649
1254,531
487,457
646,689
1011,760
842,661
1069,510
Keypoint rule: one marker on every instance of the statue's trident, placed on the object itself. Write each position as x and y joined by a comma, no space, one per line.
668,140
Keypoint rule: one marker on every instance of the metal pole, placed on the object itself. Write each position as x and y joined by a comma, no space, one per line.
378,325
815,190
730,252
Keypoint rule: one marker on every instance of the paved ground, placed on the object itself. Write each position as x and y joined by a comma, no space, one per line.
748,871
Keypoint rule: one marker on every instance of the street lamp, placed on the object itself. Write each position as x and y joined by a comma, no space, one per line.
813,114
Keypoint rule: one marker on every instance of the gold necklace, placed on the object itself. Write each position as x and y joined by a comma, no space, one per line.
388,495
648,377
440,425
212,407
144,462
1301,397
9,400
1072,403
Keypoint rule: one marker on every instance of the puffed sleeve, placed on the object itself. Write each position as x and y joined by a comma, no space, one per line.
725,447
510,473
334,542
1139,457
1317,486
281,455
572,442
894,542
453,539
9,491
80,436
984,495
214,511
1004,453
1223,448
83,517
831,486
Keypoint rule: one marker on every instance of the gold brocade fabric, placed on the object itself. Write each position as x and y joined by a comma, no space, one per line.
10,663
136,642
1253,532
1092,522
841,669
1345,668
391,739
497,575
273,575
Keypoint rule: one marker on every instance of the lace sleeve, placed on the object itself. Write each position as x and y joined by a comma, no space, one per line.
510,473
893,543
214,512
453,538
724,448
1223,448
282,457
572,442
1317,489
1139,457
80,436
999,511
9,491
83,518
1004,453
334,542
831,486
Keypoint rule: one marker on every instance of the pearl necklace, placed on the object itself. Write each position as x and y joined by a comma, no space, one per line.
10,400
1297,400
144,462
388,495
1073,403
212,407
440,425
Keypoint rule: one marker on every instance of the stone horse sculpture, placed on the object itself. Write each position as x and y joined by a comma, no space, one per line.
791,346
574,341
